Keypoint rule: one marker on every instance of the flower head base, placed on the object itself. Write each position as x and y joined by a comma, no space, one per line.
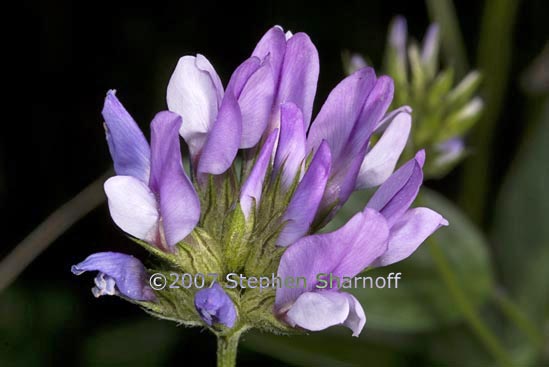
262,184
444,111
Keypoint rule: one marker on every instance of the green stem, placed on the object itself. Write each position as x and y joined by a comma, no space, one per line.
514,314
485,335
494,62
227,346
50,229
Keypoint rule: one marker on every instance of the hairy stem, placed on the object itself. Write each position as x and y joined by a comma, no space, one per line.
227,346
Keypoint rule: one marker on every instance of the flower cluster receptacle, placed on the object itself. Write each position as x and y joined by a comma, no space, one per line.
443,110
264,178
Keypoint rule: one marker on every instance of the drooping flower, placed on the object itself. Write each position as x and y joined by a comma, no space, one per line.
117,273
265,180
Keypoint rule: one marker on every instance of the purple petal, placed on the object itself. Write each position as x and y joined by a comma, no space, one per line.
215,307
347,167
129,149
340,112
374,108
133,207
195,93
395,196
179,204
223,140
380,162
252,187
299,76
345,252
408,233
127,273
290,152
272,44
306,199
253,85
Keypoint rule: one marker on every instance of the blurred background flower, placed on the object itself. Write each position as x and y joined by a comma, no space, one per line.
444,109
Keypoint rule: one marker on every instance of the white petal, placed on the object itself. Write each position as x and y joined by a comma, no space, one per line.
380,162
356,318
133,207
318,310
195,93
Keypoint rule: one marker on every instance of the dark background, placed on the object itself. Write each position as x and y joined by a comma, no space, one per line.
73,52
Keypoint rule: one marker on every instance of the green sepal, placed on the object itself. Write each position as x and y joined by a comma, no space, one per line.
464,91
235,239
258,312
199,253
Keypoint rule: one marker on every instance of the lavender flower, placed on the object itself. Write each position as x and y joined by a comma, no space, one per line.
264,181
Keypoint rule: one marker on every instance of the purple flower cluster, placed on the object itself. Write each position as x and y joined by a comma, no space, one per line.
261,121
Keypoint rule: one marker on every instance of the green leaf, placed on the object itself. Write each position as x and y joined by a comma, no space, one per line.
521,232
141,342
33,324
322,349
421,301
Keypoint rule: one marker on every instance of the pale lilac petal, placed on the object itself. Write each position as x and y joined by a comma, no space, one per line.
306,199
272,44
344,252
397,38
215,307
395,196
449,151
339,114
356,62
380,162
356,318
127,272
129,149
318,310
299,76
223,141
408,233
290,152
252,187
430,43
179,204
133,207
195,92
390,116
255,98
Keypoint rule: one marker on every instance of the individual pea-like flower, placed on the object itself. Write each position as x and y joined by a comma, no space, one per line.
444,111
263,181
